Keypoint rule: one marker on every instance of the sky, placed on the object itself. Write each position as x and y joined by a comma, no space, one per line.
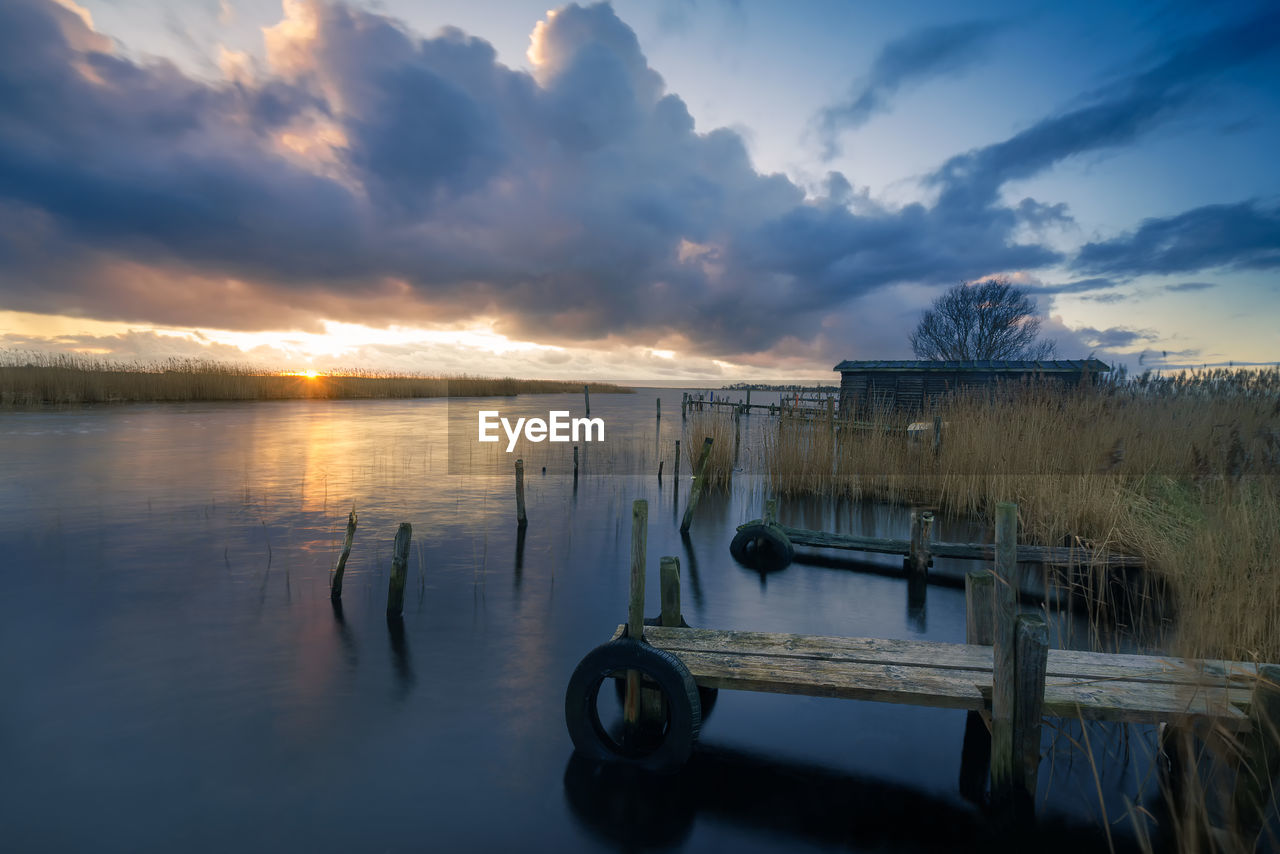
667,191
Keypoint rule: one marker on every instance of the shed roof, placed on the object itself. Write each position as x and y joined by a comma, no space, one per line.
1018,366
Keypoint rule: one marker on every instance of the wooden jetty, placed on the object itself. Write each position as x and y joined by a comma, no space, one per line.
1004,675
918,550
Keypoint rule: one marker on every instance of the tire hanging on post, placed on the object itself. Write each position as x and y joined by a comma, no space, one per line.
684,708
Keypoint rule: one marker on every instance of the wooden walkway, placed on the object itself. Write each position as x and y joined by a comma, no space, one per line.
1094,686
1004,675
1050,555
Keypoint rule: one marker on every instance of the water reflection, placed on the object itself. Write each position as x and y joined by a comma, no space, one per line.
400,658
796,803
127,647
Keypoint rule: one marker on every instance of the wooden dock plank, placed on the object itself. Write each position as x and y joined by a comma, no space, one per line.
1050,555
913,685
1062,662
1096,686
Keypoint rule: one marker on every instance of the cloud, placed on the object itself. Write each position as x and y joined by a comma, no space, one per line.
1190,286
1244,236
1112,117
1115,337
370,175
915,58
1099,283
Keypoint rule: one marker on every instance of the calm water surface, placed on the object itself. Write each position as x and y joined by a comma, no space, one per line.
175,677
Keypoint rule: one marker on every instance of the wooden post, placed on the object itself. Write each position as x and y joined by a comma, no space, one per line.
399,569
748,401
1256,781
575,462
335,588
937,434
918,557
669,577
979,628
586,397
1004,669
695,492
771,512
635,609
521,520
676,469
979,607
659,403
660,462
1031,657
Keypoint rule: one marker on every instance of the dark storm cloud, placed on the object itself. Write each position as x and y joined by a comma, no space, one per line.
1114,116
919,56
370,175
1115,337
1244,236
1079,286
376,176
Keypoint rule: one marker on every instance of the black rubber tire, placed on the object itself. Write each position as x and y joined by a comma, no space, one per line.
684,708
706,696
762,547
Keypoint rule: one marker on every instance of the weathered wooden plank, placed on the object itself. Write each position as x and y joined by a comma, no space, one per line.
399,570
1004,673
979,607
1062,663
635,604
920,686
1050,555
1144,702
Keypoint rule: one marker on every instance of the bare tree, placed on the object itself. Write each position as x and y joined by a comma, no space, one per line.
991,319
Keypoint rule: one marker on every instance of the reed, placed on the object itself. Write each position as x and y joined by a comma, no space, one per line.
1180,471
35,379
719,425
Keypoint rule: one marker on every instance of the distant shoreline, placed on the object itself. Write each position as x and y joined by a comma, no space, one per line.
74,382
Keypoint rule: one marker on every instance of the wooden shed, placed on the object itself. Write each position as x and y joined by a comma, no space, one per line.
911,386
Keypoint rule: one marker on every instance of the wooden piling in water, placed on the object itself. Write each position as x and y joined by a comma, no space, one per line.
660,462
586,397
699,480
1031,658
659,407
979,607
635,606
918,557
669,579
521,520
335,587
575,462
771,512
675,476
1256,782
399,570
1004,669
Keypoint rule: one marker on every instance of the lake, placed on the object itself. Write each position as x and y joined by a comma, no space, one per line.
176,678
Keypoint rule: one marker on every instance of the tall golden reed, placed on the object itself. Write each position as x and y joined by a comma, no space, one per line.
28,379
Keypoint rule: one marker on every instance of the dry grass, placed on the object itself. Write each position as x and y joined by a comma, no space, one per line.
719,425
1182,472
36,380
